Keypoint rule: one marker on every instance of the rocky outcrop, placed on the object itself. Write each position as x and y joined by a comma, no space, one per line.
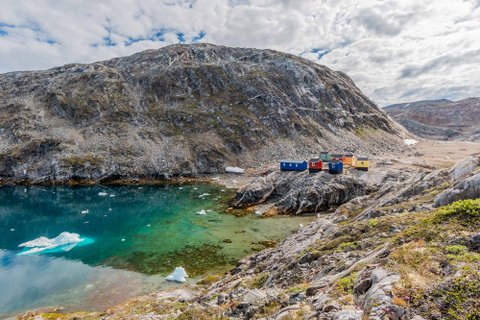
468,188
440,119
297,193
464,168
180,110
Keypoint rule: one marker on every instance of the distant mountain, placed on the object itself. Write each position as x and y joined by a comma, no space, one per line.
179,110
440,119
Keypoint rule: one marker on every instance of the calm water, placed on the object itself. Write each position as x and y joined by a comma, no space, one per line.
137,236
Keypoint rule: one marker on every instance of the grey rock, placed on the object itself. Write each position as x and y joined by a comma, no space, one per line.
474,242
347,315
362,286
464,168
468,188
297,193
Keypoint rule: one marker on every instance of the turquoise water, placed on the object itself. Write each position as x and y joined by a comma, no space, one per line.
134,236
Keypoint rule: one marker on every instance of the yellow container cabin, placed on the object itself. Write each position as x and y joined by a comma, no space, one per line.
362,164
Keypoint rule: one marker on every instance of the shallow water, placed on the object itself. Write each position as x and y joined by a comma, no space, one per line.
137,237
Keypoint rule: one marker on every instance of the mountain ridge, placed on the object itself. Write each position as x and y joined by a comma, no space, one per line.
180,110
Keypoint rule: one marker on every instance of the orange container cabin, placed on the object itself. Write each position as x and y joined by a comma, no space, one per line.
315,165
349,160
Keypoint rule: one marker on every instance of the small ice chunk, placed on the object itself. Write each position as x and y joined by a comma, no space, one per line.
148,225
195,188
102,194
86,222
203,195
410,142
112,195
234,170
180,188
202,212
178,275
85,211
12,229
123,239
109,209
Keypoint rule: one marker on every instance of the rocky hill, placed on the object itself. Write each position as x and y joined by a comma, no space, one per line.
180,110
440,119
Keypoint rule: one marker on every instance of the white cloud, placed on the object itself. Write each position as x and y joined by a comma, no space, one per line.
394,50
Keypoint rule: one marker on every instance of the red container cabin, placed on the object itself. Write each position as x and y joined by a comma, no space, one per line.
337,157
315,165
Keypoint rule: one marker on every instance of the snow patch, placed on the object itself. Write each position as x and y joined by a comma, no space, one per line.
410,142
178,275
234,170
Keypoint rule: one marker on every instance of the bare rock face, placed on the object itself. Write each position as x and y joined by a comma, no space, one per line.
440,119
179,110
465,189
296,193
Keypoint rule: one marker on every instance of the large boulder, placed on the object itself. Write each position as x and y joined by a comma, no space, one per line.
466,189
464,168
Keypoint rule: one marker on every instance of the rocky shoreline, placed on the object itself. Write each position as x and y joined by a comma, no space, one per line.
383,252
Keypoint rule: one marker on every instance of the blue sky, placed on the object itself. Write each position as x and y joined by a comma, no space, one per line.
394,50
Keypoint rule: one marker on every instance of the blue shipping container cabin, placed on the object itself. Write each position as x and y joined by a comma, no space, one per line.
335,167
292,165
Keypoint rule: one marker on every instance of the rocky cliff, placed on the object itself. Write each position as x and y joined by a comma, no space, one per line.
440,119
179,110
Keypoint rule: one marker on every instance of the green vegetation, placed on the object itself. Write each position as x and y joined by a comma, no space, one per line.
344,285
465,211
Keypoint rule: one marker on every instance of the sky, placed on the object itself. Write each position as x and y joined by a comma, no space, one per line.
395,51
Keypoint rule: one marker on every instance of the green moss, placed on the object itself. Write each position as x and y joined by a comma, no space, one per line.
460,298
373,222
464,211
344,285
346,246
456,249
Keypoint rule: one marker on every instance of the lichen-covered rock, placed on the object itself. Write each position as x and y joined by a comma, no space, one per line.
296,193
468,188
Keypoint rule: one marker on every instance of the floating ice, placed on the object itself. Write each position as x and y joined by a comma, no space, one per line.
85,211
178,275
234,170
202,212
410,142
112,195
123,239
195,188
12,229
102,194
203,195
64,241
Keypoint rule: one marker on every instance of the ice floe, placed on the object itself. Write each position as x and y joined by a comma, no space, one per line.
410,142
202,212
102,194
234,170
64,241
178,275
85,211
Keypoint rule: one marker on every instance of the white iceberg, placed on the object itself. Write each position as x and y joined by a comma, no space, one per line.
102,194
410,142
64,239
234,170
202,212
178,275
85,211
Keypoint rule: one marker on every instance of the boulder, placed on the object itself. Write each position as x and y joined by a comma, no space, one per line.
464,168
474,242
468,188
